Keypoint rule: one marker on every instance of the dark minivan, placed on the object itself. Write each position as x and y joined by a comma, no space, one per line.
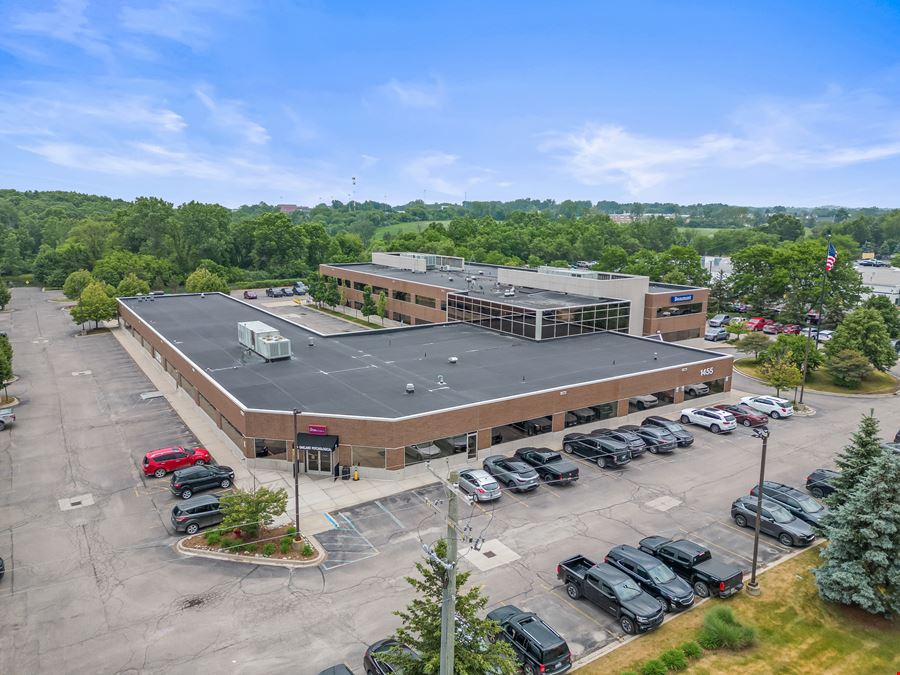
538,647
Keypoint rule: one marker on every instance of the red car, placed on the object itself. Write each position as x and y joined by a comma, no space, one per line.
772,328
159,462
791,329
744,414
756,323
249,295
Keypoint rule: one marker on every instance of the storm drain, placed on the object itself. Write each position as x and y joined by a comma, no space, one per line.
76,502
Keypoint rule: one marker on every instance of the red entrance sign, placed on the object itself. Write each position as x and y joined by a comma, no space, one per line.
317,429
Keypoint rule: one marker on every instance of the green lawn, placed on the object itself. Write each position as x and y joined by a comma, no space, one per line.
798,633
874,383
708,231
412,226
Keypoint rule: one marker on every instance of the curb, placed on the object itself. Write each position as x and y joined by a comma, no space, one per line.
12,404
253,560
824,393
590,658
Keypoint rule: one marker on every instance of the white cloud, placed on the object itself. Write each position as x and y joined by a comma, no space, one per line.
414,95
66,22
228,115
838,129
368,161
425,170
184,21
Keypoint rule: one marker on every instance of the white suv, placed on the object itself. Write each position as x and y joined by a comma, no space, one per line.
772,406
712,418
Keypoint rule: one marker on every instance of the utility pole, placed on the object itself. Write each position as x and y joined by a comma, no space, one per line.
448,608
763,433
296,479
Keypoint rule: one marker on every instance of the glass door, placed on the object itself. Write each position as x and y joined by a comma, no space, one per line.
312,460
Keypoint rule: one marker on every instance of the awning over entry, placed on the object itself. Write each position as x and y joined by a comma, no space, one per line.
316,442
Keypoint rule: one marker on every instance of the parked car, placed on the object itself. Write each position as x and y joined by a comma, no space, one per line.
756,323
719,320
7,417
694,563
299,288
897,437
635,444
185,482
2,568
162,461
195,513
791,329
249,295
658,440
825,335
423,450
744,414
775,520
496,437
538,648
459,443
287,292
740,307
716,334
717,421
340,669
533,427
513,473
549,464
820,482
604,450
373,662
274,293
479,484
699,389
772,328
683,437
671,591
796,502
643,402
611,590
772,406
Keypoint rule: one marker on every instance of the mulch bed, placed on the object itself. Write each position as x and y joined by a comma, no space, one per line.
232,543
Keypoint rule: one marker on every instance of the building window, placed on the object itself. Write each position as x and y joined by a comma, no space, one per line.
347,283
359,286
403,318
271,447
426,301
401,295
679,310
370,457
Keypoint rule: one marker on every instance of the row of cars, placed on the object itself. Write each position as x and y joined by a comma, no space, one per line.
716,330
193,471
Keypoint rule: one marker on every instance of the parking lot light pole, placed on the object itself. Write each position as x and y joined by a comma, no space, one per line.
296,479
763,433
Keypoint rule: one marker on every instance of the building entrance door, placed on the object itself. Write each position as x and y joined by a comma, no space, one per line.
318,461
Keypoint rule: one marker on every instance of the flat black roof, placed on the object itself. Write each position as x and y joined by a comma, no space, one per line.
365,374
670,288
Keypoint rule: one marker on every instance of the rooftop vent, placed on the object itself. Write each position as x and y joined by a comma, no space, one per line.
410,388
311,342
441,380
452,359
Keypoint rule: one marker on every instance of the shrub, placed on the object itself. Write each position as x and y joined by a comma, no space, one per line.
249,548
213,537
653,667
268,549
691,650
292,530
674,659
285,544
721,629
307,549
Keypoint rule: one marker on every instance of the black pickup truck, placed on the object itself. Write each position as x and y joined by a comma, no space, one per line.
695,564
604,450
611,590
549,464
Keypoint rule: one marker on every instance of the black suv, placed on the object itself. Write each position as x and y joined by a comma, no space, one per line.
190,515
798,503
820,482
185,482
671,591
538,647
656,438
636,445
601,449
549,464
373,662
684,437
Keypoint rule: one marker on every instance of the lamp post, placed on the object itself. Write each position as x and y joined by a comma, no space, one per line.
296,479
762,433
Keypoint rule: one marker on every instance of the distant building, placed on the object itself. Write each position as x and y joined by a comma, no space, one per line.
287,208
882,281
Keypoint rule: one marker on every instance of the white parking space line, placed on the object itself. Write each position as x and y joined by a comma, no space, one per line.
391,515
732,552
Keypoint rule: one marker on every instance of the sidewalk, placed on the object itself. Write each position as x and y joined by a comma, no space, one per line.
317,495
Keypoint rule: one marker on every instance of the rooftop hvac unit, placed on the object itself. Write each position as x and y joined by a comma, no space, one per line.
272,347
264,340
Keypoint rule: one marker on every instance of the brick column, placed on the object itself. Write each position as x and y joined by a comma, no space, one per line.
559,421
623,408
484,439
678,396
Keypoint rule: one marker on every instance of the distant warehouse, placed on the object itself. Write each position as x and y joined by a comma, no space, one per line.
385,399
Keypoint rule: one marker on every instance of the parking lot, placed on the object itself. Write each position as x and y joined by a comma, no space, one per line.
97,587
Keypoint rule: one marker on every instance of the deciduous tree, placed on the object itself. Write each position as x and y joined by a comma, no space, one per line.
864,331
132,285
251,511
6,372
847,367
781,374
5,295
381,308
753,343
889,312
368,305
202,280
95,304
476,652
76,282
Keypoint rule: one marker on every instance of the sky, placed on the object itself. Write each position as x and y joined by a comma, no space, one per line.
237,102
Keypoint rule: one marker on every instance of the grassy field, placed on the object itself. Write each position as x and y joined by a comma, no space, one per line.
412,226
798,633
708,231
874,383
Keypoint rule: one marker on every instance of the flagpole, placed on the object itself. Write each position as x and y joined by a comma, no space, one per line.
821,304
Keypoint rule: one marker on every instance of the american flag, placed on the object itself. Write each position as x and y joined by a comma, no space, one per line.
831,257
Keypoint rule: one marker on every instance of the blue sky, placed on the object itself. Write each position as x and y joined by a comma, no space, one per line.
240,102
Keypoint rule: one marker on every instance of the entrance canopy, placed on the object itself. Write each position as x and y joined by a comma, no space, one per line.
316,442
